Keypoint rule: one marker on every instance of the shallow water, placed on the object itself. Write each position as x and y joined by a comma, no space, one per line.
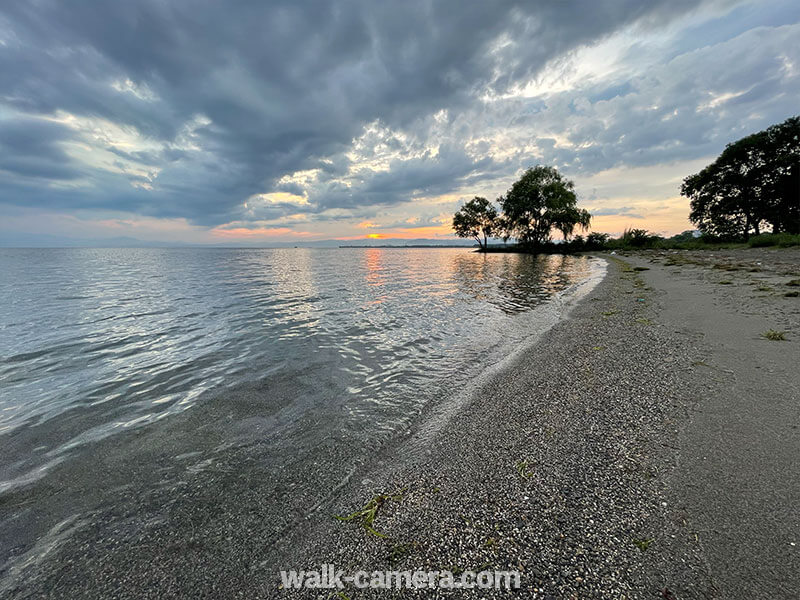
128,376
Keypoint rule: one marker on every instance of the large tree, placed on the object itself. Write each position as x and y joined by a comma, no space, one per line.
476,219
540,202
753,184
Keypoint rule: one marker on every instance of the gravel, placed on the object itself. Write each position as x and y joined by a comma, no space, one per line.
558,468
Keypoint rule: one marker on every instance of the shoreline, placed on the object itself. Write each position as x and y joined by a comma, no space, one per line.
587,463
593,448
613,499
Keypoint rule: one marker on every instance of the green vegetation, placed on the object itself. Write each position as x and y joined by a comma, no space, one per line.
638,238
540,202
400,551
753,185
475,219
748,197
775,336
366,516
642,544
523,469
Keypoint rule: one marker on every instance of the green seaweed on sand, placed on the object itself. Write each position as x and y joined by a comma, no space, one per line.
793,283
775,336
641,268
792,294
523,469
725,282
366,516
400,551
642,544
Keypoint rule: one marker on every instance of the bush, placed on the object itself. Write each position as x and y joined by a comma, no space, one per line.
783,240
634,238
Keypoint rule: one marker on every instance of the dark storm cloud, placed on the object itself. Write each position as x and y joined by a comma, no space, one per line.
236,95
225,99
29,148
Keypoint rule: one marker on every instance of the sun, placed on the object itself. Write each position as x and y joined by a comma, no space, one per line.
374,236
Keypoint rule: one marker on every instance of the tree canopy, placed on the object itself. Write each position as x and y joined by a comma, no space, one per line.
754,184
476,218
540,202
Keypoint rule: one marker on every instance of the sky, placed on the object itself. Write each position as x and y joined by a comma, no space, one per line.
266,122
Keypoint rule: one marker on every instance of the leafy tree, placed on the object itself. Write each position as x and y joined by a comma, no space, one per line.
540,202
753,184
596,240
476,218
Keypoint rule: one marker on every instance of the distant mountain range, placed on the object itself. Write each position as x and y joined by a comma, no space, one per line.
29,240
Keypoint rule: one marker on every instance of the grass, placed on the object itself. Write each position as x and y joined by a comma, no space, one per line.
782,240
775,336
366,516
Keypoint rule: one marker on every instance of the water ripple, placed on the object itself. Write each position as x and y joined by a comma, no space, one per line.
98,341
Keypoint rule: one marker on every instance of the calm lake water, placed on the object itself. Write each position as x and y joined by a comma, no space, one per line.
129,377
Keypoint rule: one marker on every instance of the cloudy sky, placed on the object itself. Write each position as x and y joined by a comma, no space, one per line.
271,121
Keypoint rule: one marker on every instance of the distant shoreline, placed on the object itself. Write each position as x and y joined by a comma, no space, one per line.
415,246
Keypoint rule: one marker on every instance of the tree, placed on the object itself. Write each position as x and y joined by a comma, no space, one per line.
476,218
541,201
754,183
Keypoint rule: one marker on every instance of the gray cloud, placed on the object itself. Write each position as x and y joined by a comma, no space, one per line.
623,211
224,100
